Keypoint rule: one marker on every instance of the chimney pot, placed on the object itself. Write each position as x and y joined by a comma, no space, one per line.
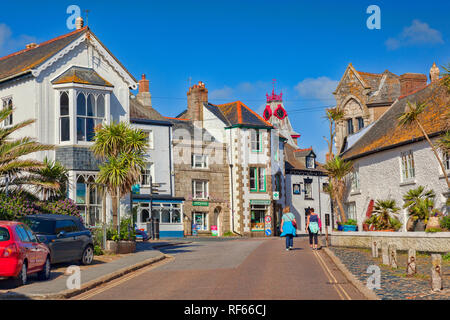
144,96
196,96
434,73
79,22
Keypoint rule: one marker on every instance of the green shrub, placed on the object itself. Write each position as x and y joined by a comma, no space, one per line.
445,222
433,230
228,234
446,257
351,222
98,250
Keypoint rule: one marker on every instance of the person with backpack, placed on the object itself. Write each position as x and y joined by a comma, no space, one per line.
288,227
313,225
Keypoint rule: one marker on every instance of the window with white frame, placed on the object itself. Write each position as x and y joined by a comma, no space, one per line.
199,161
200,189
355,180
308,189
310,162
88,199
148,138
446,160
64,116
8,103
90,109
256,140
147,174
407,166
351,210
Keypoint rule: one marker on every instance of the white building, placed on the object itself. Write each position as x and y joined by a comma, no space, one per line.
389,159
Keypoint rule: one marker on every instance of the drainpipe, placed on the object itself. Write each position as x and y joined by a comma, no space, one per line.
231,184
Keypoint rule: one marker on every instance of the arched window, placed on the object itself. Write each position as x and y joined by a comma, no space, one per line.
64,117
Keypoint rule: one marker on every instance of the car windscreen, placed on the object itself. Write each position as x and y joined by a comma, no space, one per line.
4,234
41,226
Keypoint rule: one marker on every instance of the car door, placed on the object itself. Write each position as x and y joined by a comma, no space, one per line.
62,245
26,247
39,253
79,239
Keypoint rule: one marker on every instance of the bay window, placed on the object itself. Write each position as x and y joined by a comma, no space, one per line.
64,116
90,113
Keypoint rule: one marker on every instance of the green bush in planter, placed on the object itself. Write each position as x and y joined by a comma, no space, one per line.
445,222
351,222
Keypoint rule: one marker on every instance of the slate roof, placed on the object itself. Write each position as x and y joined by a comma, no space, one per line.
25,60
384,87
292,161
81,75
385,132
138,111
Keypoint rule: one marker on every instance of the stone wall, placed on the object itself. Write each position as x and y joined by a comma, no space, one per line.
77,158
420,241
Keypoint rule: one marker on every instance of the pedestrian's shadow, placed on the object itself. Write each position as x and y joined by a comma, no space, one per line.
296,249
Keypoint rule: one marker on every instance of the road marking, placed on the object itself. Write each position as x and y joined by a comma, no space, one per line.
115,283
327,270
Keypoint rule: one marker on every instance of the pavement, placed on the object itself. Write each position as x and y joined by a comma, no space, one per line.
91,276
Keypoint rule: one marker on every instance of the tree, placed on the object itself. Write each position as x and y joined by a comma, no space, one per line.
16,172
384,215
55,173
410,116
419,203
333,115
122,149
338,169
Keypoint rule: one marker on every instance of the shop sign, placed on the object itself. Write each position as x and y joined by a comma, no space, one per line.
263,202
136,189
214,231
276,195
200,203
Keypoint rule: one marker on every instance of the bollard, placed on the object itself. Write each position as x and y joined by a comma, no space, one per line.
436,276
384,253
411,268
374,249
393,255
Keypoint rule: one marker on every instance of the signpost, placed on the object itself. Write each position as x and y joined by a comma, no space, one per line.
268,225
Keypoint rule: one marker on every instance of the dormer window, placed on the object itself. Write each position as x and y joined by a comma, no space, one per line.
350,126
310,162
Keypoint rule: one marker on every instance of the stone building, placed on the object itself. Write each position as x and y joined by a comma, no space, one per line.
247,159
364,97
389,159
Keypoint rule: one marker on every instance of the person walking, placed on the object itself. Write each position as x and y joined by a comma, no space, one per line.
288,227
313,225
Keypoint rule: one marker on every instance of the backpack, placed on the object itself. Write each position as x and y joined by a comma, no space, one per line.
314,227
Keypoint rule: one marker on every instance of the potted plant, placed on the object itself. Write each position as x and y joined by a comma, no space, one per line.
434,221
384,216
350,225
340,226
445,222
420,204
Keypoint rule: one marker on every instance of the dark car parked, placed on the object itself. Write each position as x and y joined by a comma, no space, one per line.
66,237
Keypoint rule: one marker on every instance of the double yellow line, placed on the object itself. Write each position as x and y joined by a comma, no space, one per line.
89,294
340,290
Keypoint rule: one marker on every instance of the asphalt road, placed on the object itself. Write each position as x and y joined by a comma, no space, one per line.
249,269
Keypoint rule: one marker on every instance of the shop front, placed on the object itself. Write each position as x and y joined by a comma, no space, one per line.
168,211
259,210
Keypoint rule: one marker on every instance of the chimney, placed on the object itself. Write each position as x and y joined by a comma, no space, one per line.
196,96
410,82
79,23
31,45
434,73
144,96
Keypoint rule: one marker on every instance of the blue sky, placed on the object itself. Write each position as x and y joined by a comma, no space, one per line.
237,47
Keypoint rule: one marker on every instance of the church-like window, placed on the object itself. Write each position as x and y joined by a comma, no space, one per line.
360,123
64,117
350,126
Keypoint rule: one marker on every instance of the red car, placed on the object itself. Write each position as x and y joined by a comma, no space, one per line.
21,254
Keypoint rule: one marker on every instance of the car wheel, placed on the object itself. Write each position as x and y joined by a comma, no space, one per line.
22,278
88,255
46,271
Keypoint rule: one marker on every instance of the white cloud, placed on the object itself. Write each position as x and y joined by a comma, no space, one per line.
223,93
418,33
9,44
320,88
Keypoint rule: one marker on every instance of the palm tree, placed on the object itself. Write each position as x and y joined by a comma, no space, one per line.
419,203
384,215
411,115
333,115
53,172
16,172
338,169
122,148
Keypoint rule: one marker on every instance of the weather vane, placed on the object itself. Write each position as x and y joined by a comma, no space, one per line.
87,16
